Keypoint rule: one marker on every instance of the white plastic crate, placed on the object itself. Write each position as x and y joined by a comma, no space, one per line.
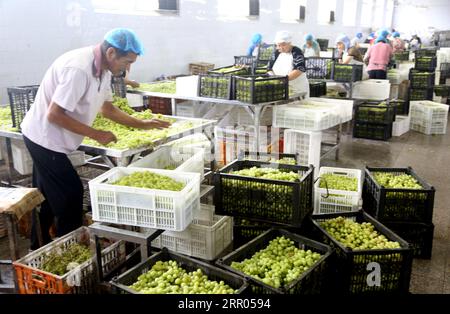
23,162
192,109
345,106
300,117
371,89
151,208
192,142
306,144
187,85
244,118
337,201
176,158
205,239
400,125
135,100
428,117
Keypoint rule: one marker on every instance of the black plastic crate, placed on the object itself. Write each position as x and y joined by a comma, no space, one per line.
323,43
318,67
351,266
312,281
401,56
401,106
425,53
421,80
317,88
419,236
370,111
215,86
442,90
267,157
118,86
346,72
387,204
420,94
372,131
20,100
255,89
265,200
425,64
265,52
126,279
233,70
245,230
445,70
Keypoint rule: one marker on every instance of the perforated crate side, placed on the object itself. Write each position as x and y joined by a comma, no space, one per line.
388,204
420,94
215,86
372,112
372,131
318,67
346,72
351,268
20,100
255,89
312,281
419,235
126,279
420,79
425,63
271,201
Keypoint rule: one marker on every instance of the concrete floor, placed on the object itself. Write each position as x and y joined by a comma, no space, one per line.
429,156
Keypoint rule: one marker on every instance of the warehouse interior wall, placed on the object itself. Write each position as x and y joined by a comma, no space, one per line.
421,17
35,32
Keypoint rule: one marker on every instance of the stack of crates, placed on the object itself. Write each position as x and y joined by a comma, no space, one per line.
200,68
373,120
422,76
428,117
406,211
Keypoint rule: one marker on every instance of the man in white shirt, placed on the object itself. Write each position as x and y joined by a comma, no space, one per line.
74,89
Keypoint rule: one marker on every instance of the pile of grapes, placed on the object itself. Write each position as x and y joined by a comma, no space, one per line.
163,87
396,181
268,173
5,119
235,70
150,180
338,182
127,137
279,263
169,278
61,261
264,89
357,236
215,86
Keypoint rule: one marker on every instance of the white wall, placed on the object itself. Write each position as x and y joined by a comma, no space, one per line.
421,17
35,32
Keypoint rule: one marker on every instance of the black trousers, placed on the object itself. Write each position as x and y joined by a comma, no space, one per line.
55,177
377,74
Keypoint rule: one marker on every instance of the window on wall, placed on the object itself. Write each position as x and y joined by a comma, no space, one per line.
349,17
379,14
389,13
290,10
135,7
326,12
366,12
254,8
237,9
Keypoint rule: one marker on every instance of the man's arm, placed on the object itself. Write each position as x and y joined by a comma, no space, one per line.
294,74
58,116
111,112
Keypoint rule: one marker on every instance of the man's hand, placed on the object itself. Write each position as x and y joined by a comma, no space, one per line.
104,137
155,124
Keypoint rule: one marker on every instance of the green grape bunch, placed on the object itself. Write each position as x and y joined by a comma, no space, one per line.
168,277
338,182
357,236
278,264
62,260
397,181
268,173
150,180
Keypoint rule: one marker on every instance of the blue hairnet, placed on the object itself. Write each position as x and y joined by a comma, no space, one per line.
372,35
383,32
125,39
381,38
396,34
344,39
309,37
256,38
359,35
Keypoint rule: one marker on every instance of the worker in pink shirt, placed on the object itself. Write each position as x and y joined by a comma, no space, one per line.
377,57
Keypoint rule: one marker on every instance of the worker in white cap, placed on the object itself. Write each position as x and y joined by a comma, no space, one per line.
289,60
